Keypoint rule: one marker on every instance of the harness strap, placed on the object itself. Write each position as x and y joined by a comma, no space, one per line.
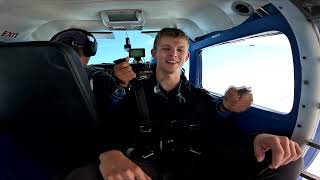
168,144
145,127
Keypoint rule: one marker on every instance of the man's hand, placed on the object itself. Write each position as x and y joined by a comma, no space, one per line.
123,73
283,149
236,100
115,166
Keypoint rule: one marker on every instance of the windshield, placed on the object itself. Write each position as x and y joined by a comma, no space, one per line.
112,49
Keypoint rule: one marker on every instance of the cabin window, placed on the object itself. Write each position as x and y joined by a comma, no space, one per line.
112,49
263,62
186,68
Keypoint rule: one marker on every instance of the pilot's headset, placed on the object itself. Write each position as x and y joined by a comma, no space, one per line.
78,38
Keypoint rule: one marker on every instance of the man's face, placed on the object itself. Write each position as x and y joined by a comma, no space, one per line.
84,60
171,54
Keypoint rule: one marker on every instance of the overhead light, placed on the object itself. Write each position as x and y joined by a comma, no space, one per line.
123,19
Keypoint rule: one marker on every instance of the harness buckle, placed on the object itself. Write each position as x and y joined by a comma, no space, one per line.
177,124
145,129
195,152
148,155
165,145
194,127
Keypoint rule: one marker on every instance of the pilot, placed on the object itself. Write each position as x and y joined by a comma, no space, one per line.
110,89
171,130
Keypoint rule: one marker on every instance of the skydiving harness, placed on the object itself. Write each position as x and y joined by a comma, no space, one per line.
145,128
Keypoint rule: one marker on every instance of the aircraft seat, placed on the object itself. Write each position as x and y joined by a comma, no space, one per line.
47,111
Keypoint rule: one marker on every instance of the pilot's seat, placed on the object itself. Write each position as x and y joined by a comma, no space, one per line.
47,111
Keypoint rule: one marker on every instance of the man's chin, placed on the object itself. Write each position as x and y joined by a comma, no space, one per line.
172,71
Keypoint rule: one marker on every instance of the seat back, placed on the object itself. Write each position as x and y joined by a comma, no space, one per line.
47,109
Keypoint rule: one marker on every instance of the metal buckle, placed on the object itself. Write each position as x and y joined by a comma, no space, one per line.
195,152
178,124
194,127
143,129
148,155
167,144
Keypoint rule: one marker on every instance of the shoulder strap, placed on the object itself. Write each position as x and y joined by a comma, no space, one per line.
142,107
92,71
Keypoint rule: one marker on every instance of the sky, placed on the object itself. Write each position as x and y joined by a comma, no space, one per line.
112,49
258,63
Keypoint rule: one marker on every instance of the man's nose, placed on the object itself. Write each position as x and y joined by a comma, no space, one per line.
174,52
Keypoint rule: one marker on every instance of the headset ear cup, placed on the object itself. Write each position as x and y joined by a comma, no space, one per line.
94,47
86,49
90,49
91,46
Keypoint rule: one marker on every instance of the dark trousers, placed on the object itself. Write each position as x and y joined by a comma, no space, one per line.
198,172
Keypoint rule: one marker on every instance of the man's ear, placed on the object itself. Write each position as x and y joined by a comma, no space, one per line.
154,53
187,56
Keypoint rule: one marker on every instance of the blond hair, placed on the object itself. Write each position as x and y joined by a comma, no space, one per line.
169,32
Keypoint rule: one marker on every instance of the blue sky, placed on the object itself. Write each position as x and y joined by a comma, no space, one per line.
112,49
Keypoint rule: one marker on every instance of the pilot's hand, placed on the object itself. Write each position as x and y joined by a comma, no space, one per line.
283,149
123,73
237,99
115,166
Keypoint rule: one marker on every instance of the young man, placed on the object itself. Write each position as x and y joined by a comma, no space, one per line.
181,132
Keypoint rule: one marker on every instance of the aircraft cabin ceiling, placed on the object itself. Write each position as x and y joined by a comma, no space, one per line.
40,19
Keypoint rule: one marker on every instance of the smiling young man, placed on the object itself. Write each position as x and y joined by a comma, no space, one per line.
171,54
176,131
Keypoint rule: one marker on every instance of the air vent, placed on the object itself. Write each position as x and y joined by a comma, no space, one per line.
242,8
123,19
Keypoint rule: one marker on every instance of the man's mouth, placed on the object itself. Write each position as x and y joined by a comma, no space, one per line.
172,62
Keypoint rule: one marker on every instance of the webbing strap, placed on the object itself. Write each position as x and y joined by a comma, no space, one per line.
142,108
